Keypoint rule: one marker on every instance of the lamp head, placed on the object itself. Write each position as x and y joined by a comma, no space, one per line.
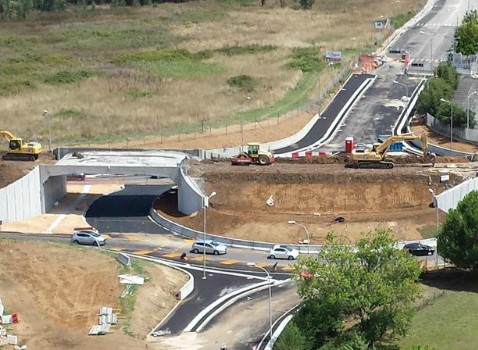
431,191
212,194
251,264
291,222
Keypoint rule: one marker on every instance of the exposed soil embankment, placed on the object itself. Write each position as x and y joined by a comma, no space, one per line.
312,195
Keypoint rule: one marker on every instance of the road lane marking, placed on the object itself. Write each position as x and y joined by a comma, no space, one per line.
171,255
143,252
69,209
196,258
287,268
229,262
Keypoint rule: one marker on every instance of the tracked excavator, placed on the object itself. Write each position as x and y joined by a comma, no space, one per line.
375,158
19,149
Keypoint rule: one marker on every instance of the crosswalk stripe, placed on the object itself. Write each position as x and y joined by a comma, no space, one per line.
116,249
133,238
229,262
171,255
189,241
196,258
143,252
263,264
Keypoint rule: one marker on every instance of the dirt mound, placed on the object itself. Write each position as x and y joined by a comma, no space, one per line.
10,170
313,195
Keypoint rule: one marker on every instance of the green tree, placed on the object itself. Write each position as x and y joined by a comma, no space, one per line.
443,114
466,35
447,72
291,338
373,284
306,4
458,237
429,99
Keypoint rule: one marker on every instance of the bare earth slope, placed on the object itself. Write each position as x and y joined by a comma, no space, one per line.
57,291
313,195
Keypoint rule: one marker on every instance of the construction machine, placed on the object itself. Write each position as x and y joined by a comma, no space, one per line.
362,157
254,155
19,149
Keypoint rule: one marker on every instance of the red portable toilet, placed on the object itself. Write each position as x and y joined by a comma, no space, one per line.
349,144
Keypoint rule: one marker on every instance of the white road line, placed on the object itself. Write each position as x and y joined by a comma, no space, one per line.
59,219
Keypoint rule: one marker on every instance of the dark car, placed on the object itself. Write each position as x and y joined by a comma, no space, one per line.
419,249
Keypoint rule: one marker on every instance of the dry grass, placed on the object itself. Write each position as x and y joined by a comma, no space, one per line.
125,101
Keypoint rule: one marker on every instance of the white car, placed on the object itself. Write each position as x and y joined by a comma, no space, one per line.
282,251
90,237
211,247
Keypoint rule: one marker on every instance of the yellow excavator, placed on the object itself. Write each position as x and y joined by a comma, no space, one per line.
362,157
19,149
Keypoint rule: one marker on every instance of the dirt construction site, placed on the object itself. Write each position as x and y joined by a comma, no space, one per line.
57,302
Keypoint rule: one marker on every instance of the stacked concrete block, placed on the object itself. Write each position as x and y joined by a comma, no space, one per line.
106,318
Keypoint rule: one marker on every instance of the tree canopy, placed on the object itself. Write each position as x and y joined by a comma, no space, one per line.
442,87
458,237
466,35
356,294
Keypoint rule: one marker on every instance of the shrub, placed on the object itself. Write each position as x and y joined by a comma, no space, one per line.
243,82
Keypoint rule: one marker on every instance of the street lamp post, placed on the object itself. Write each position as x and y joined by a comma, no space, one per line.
468,110
45,113
406,86
205,206
435,200
451,123
269,278
293,222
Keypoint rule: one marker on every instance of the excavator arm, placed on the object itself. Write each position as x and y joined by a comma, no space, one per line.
7,134
397,138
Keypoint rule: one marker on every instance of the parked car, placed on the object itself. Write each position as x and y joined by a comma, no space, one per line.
211,247
419,249
282,251
90,237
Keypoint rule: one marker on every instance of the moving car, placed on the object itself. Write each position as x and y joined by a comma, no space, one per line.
211,247
90,237
282,251
419,249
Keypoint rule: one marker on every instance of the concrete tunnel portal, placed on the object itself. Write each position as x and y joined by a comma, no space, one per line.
39,190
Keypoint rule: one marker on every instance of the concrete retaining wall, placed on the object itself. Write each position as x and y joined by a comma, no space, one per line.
449,199
21,199
458,133
53,190
190,196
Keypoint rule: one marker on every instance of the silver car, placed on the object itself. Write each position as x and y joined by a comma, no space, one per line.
210,247
281,251
88,237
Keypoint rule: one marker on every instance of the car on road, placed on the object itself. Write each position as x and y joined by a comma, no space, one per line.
88,237
281,251
211,247
419,249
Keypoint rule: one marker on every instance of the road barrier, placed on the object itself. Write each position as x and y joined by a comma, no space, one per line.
124,259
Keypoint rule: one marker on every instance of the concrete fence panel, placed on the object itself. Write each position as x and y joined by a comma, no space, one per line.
21,199
449,199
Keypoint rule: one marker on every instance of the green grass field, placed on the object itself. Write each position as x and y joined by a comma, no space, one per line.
450,322
110,73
